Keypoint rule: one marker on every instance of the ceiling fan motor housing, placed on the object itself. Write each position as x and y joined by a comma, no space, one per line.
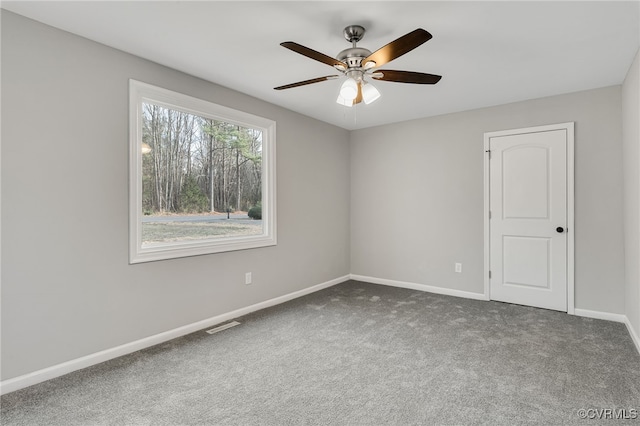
353,56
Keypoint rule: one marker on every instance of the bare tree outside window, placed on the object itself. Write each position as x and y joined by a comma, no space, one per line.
200,176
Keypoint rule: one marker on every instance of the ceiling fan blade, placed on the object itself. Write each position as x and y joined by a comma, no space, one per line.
406,77
358,98
398,47
310,53
304,83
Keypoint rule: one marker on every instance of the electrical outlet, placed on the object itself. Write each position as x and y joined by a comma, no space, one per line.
247,278
459,268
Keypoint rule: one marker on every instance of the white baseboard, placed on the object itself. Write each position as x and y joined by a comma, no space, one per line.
420,287
58,370
600,315
633,333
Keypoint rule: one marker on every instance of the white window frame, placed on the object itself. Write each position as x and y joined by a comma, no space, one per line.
140,93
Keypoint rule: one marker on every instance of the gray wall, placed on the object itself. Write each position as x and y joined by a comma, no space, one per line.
417,195
631,151
67,287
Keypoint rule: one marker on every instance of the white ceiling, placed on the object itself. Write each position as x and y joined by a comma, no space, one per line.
489,53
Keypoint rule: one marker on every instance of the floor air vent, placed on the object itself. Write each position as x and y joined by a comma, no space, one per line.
223,327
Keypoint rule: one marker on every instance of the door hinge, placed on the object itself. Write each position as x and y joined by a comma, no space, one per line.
489,274
489,214
489,152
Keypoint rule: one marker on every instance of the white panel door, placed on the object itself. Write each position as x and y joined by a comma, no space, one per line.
528,218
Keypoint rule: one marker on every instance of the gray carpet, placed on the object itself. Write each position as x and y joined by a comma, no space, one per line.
358,354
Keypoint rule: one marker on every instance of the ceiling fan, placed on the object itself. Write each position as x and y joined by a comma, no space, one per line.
356,63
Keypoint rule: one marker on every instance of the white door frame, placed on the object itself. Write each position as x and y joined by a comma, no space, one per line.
569,127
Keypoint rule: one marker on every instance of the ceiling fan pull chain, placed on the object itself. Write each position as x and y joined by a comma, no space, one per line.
355,114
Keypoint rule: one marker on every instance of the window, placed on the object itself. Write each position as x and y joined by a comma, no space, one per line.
201,177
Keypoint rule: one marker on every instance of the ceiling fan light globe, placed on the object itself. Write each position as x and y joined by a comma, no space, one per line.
344,102
369,93
349,89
